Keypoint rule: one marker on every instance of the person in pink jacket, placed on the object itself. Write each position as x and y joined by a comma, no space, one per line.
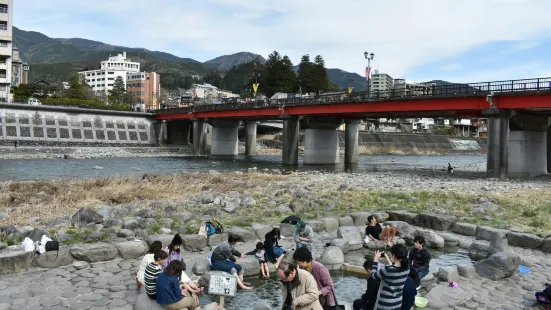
326,288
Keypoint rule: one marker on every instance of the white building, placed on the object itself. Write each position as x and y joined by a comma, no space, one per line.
6,32
102,80
210,93
381,83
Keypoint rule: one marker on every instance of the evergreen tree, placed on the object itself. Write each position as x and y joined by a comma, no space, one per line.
306,75
77,87
279,75
321,77
118,93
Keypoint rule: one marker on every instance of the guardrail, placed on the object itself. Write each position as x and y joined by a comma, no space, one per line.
400,92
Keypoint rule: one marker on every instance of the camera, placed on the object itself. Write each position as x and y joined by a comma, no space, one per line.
383,254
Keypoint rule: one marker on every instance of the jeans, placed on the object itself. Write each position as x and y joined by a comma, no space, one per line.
422,273
304,245
226,266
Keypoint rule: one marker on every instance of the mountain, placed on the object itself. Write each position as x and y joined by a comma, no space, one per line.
226,62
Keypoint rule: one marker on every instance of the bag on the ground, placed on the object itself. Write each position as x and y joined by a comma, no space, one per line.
41,245
213,227
28,245
52,246
291,219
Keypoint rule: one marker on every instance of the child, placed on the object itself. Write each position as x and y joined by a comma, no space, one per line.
259,254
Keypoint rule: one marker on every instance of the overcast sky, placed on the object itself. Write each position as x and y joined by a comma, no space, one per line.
454,40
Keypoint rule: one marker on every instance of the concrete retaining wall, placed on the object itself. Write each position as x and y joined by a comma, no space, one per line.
58,125
421,142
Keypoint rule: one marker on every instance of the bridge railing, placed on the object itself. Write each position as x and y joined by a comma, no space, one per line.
400,92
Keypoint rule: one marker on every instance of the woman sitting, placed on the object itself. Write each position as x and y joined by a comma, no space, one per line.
274,253
146,260
374,232
173,250
170,294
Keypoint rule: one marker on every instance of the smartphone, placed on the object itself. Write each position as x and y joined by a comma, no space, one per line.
383,254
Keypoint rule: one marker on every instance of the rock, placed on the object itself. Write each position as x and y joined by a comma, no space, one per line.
112,223
283,209
467,271
211,306
317,225
330,224
3,215
341,243
125,233
428,281
546,245
295,207
54,259
105,211
33,220
15,261
464,229
86,216
204,281
94,236
332,258
246,234
230,207
94,252
36,234
381,216
346,221
449,239
249,201
403,216
201,267
143,302
8,229
216,239
262,305
131,249
79,265
448,274
61,222
488,206
250,266
360,218
146,223
286,230
167,222
436,222
486,233
478,250
207,197
352,235
146,213
300,193
165,231
524,240
444,296
404,229
498,242
194,243
498,266
3,245
261,230
431,238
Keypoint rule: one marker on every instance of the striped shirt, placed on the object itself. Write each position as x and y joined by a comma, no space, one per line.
392,285
152,271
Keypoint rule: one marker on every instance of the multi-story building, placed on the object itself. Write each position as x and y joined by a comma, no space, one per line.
145,88
6,32
381,83
102,80
402,88
209,93
20,69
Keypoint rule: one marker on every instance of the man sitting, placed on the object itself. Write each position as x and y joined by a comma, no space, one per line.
419,257
367,302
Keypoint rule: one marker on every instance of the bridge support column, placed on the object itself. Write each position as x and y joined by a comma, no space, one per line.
528,146
291,127
498,144
160,128
351,142
250,138
321,141
199,137
177,132
224,137
549,149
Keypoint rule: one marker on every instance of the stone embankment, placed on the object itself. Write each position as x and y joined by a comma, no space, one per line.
41,152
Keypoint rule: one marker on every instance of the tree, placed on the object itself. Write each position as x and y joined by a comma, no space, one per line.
306,75
321,77
77,87
279,75
117,94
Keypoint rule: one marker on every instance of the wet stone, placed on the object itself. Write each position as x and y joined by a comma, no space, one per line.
82,284
83,305
102,302
69,294
118,295
91,297
117,288
84,290
117,303
50,302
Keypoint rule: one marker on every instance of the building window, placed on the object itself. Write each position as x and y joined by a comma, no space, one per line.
111,72
3,25
109,84
4,43
4,8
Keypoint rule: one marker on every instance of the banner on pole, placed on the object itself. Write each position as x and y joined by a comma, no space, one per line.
367,72
255,87
350,90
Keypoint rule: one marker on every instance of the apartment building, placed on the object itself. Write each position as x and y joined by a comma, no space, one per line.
20,69
402,88
381,83
210,93
101,80
6,41
146,89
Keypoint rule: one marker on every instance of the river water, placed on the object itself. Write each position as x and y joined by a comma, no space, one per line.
46,169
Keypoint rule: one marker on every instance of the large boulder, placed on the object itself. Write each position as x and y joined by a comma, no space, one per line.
346,221
360,218
478,250
131,249
341,243
546,245
437,222
432,240
381,216
466,271
317,225
448,274
54,259
465,229
498,266
444,296
403,229
286,229
498,242
201,267
331,224
250,266
36,234
246,234
194,243
94,252
129,224
165,239
352,235
486,232
449,239
216,239
143,302
403,216
261,230
86,216
524,240
332,258
15,261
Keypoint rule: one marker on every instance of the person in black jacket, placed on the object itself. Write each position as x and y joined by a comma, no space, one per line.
419,257
367,302
274,253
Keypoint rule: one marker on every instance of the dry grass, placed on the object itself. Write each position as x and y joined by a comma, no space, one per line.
374,150
50,200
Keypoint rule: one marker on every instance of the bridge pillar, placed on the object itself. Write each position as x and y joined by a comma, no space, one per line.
178,132
498,142
351,142
321,143
199,137
250,138
224,137
291,127
527,146
160,128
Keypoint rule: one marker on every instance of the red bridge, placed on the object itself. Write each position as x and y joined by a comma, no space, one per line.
517,109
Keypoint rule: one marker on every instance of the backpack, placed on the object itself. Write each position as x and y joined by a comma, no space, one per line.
292,219
214,227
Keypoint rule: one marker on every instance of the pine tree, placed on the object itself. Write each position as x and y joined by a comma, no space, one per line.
279,75
322,79
118,93
306,75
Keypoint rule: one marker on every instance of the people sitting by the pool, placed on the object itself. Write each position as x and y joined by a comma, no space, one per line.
393,278
188,284
375,233
326,288
410,290
419,257
170,294
274,253
260,253
367,302
148,258
173,250
223,259
300,291
303,235
152,272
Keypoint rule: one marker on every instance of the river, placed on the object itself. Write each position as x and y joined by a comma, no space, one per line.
48,169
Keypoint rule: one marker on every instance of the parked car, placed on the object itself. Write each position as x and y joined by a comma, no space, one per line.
33,101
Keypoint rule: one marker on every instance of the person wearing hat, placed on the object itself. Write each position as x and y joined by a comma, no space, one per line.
223,259
173,250
303,235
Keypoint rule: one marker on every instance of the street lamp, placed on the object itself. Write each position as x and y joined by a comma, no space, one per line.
369,58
